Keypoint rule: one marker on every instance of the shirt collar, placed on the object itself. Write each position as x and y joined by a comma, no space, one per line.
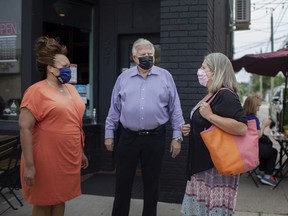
153,71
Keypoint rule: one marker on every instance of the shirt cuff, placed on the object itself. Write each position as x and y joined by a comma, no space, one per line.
109,134
177,134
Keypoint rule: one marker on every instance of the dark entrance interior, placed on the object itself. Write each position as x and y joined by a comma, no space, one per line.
77,42
125,45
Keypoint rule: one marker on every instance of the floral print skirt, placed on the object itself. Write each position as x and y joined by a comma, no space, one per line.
209,193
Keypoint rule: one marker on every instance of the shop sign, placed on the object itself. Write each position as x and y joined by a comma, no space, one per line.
9,28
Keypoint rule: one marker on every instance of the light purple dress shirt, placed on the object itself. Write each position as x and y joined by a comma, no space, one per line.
144,103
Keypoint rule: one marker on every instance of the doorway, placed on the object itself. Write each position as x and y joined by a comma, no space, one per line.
125,43
77,42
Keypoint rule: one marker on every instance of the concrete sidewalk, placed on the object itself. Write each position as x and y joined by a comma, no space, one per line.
251,201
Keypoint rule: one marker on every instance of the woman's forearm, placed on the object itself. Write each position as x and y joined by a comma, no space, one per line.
228,124
27,146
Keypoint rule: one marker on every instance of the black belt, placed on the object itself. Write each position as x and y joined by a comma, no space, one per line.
145,132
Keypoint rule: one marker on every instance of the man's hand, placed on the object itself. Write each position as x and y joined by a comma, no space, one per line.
109,143
175,148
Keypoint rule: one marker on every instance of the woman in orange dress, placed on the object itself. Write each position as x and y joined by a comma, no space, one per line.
51,134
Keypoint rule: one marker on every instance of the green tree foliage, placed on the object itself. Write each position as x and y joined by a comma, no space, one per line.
253,86
266,82
243,90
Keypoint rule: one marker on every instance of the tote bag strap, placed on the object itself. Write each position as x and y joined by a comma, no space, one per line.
188,166
212,98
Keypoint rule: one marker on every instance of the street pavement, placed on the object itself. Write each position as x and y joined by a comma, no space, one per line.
251,201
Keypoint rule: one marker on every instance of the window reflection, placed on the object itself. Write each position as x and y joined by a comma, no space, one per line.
10,53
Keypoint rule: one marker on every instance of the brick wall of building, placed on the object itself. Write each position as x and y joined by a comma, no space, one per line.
189,30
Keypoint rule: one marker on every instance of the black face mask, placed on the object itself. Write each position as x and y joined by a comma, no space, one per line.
146,62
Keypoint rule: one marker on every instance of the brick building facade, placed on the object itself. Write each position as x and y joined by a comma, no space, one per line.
184,30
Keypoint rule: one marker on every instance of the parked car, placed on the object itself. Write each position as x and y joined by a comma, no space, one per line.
276,106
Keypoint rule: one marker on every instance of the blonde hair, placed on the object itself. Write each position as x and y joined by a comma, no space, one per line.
251,104
224,75
139,42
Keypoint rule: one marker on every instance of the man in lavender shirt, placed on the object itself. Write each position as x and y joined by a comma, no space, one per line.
143,100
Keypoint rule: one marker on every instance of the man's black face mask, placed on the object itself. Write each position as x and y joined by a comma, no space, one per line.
145,62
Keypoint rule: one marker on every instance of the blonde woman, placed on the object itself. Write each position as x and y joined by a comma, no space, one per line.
267,154
207,191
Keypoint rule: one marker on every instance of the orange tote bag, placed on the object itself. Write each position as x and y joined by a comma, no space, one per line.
232,154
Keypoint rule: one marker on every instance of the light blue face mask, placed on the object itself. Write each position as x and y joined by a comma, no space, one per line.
65,75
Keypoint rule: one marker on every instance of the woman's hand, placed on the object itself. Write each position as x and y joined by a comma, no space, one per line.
84,162
266,123
29,175
186,129
205,110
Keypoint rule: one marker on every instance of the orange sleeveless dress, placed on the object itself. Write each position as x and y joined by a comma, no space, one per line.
57,144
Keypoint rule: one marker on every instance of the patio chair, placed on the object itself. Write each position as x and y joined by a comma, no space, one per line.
9,169
253,174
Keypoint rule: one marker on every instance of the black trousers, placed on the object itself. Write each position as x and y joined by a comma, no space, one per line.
267,156
149,149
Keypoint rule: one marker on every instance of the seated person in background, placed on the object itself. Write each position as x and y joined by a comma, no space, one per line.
267,154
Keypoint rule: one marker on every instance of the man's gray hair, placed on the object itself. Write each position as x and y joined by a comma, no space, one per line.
141,41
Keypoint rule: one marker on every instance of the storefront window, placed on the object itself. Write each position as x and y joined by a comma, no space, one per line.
10,53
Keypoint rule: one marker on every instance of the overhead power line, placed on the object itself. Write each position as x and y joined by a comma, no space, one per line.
279,9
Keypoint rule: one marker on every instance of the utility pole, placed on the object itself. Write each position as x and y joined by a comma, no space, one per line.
272,50
272,30
261,82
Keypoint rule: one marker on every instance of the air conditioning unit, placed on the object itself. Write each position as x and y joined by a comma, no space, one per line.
242,14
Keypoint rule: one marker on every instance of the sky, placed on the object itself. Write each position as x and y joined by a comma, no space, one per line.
258,38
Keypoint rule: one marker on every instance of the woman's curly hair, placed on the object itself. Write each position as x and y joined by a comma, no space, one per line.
45,49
